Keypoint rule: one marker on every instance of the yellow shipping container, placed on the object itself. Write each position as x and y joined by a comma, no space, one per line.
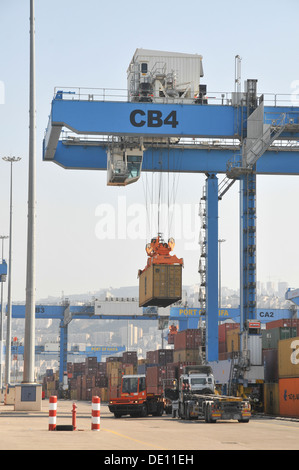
233,340
160,285
50,393
115,380
104,394
288,357
128,370
271,399
114,367
186,355
51,385
73,395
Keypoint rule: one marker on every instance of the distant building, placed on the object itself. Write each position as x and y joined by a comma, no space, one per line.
282,288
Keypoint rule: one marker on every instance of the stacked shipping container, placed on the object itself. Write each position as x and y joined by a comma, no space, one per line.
90,377
162,367
228,339
50,383
104,378
280,343
281,366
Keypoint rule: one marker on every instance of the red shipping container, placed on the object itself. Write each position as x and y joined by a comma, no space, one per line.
130,357
188,339
153,375
159,357
156,357
163,356
224,356
289,397
90,361
171,371
287,322
154,379
77,366
181,366
170,339
155,390
112,359
150,357
90,371
102,367
223,328
222,348
114,392
270,361
101,381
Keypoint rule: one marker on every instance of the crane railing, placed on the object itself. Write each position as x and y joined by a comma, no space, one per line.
122,94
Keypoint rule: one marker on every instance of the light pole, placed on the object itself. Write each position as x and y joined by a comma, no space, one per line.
29,340
221,240
11,160
2,237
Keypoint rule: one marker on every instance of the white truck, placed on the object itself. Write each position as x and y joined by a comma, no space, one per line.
197,398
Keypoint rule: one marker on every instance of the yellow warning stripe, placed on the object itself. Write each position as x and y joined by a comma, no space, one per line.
132,439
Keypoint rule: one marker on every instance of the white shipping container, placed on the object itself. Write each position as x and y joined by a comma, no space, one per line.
221,371
125,308
255,347
51,347
254,374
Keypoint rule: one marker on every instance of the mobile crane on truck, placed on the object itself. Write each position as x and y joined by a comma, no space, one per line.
135,399
197,398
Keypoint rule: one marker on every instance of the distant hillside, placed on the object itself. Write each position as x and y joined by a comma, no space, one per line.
130,291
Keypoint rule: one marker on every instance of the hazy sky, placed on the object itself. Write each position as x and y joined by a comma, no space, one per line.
90,44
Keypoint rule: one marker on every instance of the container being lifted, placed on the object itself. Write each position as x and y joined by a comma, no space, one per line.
165,77
160,283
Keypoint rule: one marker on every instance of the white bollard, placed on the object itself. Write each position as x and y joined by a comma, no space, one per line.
96,414
52,413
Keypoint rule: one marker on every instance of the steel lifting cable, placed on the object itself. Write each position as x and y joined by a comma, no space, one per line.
145,192
175,182
159,198
168,201
149,194
158,187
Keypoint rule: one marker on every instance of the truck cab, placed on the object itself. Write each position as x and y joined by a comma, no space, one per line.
133,386
135,400
197,379
197,383
198,398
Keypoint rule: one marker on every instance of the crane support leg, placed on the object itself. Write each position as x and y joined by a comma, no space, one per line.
63,351
248,247
212,268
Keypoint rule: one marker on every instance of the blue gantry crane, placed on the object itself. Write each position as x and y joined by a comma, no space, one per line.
185,316
160,124
65,313
3,271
